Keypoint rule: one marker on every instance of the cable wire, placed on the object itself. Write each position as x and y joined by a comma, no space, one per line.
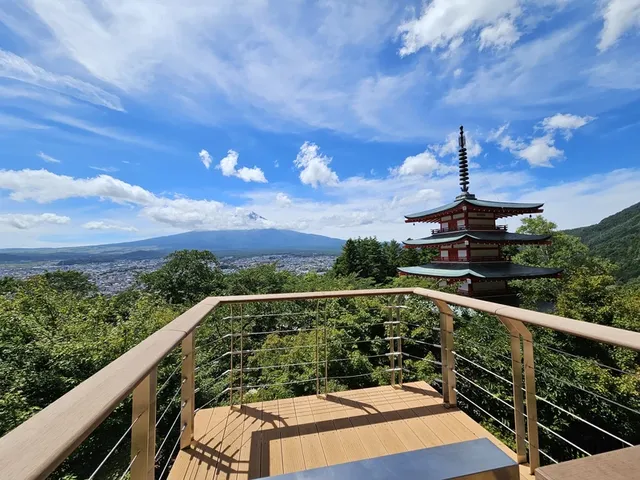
421,342
588,359
606,399
124,474
169,404
459,375
172,451
114,448
405,354
457,355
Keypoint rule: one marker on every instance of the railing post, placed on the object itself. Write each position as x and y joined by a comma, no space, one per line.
241,355
530,390
231,353
317,350
143,432
392,355
187,390
518,400
399,319
448,361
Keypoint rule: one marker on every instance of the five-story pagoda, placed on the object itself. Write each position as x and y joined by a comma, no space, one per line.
470,243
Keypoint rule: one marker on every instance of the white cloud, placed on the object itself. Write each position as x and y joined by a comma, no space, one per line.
619,17
43,186
104,169
25,221
101,225
48,158
228,164
500,35
283,200
597,196
314,166
424,163
228,167
205,158
445,21
254,174
17,68
565,122
457,72
540,152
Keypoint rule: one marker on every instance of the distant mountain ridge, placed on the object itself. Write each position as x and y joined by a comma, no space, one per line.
616,238
220,242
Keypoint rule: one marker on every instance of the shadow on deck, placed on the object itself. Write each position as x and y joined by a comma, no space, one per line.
289,435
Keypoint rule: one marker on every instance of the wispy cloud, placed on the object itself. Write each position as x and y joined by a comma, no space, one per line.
107,132
25,221
102,225
104,169
17,68
48,158
16,123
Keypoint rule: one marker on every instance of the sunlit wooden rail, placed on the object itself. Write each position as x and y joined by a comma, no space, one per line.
36,447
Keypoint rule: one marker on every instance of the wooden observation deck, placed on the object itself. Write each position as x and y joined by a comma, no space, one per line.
284,436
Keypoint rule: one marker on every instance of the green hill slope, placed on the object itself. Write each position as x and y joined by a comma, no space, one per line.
617,238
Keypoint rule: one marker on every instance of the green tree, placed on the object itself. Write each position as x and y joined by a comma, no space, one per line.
70,281
186,278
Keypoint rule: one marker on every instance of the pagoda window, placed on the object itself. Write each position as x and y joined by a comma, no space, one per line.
444,254
462,254
461,224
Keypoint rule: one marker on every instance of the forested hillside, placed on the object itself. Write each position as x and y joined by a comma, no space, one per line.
616,238
56,331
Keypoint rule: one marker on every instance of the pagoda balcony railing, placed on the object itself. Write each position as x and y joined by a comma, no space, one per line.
484,258
469,227
38,446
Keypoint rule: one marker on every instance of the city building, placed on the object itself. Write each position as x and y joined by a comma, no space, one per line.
470,243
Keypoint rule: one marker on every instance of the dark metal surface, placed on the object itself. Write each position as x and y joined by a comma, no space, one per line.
463,459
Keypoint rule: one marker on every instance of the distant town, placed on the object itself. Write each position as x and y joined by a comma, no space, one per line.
116,276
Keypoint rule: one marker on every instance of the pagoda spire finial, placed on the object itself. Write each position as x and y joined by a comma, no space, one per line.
464,164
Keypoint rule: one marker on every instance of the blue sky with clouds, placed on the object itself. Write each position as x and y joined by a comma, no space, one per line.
126,119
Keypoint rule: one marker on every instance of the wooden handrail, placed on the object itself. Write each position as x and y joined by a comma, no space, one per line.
592,331
36,447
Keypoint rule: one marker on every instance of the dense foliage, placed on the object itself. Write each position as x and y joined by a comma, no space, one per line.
616,238
56,331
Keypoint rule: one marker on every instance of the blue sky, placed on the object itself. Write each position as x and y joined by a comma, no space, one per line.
126,119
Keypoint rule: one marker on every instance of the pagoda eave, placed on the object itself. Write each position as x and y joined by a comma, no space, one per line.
498,212
480,271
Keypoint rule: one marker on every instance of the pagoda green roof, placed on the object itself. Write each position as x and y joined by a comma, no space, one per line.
484,236
477,203
482,270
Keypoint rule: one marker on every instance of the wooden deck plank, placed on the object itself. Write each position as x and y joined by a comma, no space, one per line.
292,456
230,446
289,435
329,438
309,438
246,468
358,413
351,441
270,446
